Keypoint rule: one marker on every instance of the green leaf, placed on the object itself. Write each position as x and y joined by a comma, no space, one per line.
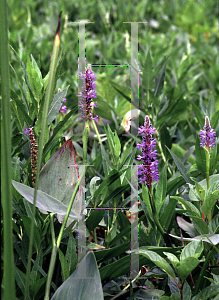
44,201
186,266
166,216
181,167
211,107
209,202
159,261
37,286
64,266
94,219
214,225
193,249
83,283
71,255
214,119
200,153
208,292
209,238
59,177
36,68
213,159
56,105
34,80
202,226
146,200
20,279
107,165
117,148
160,194
191,208
36,238
159,80
198,114
147,78
187,293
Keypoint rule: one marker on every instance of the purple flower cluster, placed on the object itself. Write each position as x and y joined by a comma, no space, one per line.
208,135
88,92
149,167
63,108
34,151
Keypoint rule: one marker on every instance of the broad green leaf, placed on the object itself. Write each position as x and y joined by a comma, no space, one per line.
44,201
193,249
59,177
214,225
172,258
209,202
56,105
209,238
208,292
64,266
94,219
159,261
186,266
187,293
191,208
202,226
83,283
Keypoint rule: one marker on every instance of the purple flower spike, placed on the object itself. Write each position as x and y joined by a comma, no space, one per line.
149,167
88,92
208,135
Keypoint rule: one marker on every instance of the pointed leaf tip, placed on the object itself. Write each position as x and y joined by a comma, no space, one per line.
59,24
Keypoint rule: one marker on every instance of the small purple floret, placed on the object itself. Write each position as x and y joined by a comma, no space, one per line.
149,167
63,108
208,135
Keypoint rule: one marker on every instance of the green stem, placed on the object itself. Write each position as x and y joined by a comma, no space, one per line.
208,179
56,245
201,275
6,175
84,140
96,130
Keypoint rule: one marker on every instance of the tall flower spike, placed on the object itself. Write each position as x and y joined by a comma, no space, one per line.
208,135
34,151
149,167
88,92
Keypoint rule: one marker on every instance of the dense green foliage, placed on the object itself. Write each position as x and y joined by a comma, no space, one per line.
178,220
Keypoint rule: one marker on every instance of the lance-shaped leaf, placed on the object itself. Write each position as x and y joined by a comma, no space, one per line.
59,177
44,201
84,283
